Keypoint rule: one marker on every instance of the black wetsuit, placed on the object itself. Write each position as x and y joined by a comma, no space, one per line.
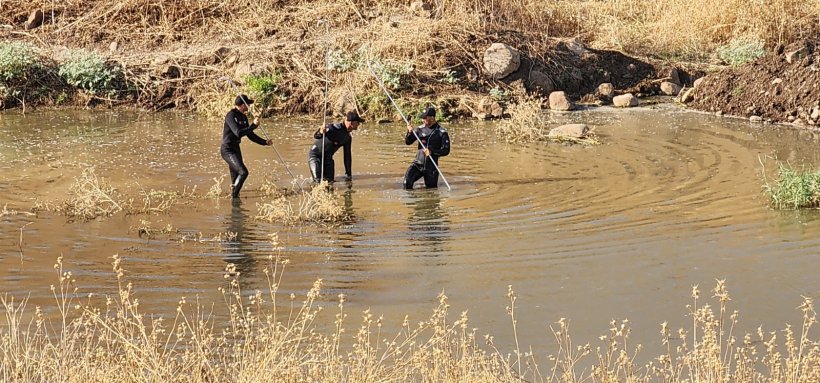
236,125
438,141
336,137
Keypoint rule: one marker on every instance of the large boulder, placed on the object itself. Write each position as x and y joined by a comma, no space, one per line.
569,130
606,91
559,101
625,101
500,60
670,88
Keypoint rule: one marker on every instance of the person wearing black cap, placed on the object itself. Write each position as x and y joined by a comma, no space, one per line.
436,143
335,136
235,127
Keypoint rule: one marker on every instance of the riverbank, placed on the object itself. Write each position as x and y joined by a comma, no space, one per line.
467,58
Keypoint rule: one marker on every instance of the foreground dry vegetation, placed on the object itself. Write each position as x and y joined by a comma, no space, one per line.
262,336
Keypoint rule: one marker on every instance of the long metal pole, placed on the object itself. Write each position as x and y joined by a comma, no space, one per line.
265,132
384,89
324,103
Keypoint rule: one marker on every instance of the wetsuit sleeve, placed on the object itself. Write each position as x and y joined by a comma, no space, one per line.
348,157
234,126
410,138
259,140
443,147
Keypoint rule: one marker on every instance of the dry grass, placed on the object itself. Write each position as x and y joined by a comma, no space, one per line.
285,38
12,212
267,337
90,197
318,205
161,201
527,122
147,230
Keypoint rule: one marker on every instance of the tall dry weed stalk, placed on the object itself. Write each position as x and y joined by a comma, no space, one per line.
267,336
527,122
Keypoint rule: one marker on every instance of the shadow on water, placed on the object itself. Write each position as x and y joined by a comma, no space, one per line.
239,251
429,223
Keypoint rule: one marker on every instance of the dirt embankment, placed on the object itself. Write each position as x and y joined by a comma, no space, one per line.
783,87
176,55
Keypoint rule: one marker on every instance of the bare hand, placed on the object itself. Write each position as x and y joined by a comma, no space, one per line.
409,128
256,120
426,152
269,142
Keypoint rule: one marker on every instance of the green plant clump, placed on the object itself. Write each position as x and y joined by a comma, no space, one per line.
741,51
89,72
18,61
263,87
795,189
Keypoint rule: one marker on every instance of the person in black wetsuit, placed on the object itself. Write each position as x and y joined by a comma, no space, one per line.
235,127
335,136
437,141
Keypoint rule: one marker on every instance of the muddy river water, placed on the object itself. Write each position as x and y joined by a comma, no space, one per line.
671,199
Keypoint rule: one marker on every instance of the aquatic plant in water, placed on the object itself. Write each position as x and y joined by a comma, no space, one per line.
794,188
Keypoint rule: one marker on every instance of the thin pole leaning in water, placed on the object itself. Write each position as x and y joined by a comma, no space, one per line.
265,132
324,101
384,89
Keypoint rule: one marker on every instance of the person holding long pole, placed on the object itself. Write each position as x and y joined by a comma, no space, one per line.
434,142
235,127
329,139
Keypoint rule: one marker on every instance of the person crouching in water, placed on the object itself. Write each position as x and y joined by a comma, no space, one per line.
437,143
235,127
335,136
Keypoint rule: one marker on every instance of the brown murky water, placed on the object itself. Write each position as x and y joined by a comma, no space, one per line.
621,230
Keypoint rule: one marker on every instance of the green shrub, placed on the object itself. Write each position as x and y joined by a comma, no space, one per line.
794,188
393,74
89,72
263,87
741,51
18,61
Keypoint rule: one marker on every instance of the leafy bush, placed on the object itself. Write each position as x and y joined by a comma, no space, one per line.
741,51
89,72
263,87
18,61
393,74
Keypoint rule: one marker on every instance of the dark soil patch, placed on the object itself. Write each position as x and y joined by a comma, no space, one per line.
781,86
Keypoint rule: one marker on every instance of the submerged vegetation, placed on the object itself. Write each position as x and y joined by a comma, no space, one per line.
794,188
319,205
266,336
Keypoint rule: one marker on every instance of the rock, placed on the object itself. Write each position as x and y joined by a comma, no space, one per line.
777,81
421,8
488,108
113,46
815,113
606,91
625,100
569,130
575,46
698,82
674,76
500,60
670,88
243,70
160,60
539,80
35,19
688,96
220,53
756,119
794,55
719,113
559,101
232,60
169,71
